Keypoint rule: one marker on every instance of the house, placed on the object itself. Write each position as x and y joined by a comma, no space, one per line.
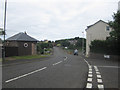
97,31
20,44
1,48
119,6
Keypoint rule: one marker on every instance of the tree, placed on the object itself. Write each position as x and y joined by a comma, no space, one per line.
114,39
115,24
65,43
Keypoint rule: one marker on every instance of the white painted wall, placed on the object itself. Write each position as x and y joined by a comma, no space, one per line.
119,5
96,32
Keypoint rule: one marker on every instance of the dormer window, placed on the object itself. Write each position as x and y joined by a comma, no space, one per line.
107,28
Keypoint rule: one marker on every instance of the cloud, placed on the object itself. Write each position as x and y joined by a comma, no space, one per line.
55,19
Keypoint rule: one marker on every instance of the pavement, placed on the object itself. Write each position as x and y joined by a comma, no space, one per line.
108,72
62,70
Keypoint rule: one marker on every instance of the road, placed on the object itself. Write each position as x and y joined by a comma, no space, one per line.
61,70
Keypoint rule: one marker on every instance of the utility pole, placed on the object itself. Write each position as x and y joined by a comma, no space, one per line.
4,29
83,44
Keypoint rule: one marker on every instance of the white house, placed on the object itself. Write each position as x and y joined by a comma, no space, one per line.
97,31
119,5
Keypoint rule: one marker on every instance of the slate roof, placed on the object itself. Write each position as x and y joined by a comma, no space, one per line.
22,37
95,23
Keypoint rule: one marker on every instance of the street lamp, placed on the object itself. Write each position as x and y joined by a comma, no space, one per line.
4,29
83,43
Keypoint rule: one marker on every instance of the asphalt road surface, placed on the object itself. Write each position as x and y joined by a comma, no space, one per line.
61,70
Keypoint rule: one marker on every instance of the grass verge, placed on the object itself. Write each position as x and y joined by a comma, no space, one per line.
25,57
0,59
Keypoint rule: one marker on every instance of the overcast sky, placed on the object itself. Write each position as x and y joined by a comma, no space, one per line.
55,19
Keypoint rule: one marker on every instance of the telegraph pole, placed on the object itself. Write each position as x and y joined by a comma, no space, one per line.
4,29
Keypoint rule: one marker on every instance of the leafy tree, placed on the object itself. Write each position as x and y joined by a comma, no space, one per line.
115,24
41,46
65,43
114,39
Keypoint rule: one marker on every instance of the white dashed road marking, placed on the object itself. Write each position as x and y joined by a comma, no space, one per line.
89,79
99,76
25,75
97,72
99,80
90,72
31,72
90,69
65,58
90,75
57,63
96,69
101,87
89,85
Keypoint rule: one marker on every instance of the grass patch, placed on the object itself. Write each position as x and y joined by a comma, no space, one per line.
0,59
25,57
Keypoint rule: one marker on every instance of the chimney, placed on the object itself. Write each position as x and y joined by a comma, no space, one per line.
25,32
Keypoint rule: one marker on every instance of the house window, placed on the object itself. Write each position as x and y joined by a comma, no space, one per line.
25,45
107,28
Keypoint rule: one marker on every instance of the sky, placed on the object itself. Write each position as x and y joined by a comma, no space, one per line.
55,19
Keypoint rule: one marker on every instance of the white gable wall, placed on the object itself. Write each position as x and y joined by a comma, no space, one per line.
96,32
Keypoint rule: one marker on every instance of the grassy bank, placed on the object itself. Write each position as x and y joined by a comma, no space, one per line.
25,57
0,59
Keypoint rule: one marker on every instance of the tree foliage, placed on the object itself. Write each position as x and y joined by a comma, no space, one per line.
41,46
66,43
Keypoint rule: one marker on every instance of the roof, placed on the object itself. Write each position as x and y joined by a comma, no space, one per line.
95,23
22,37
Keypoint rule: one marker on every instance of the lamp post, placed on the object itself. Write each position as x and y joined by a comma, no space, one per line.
4,29
83,44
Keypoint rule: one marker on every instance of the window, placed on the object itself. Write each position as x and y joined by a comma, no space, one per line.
107,28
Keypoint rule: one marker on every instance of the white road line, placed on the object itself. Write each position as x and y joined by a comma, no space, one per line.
97,72
90,75
96,69
101,87
89,85
99,76
25,75
65,58
99,80
110,66
87,62
90,72
57,63
90,69
89,79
